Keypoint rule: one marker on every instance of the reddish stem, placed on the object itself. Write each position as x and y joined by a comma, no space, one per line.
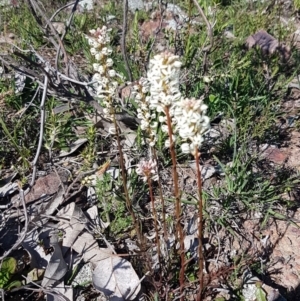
179,231
155,217
162,199
124,180
200,225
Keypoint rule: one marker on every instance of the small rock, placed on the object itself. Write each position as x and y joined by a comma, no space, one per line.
134,5
87,4
84,276
274,155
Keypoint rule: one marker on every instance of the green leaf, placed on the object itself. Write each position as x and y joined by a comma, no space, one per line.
260,294
8,267
13,284
212,98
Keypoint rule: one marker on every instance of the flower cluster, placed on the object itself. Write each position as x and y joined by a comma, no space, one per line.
105,77
147,170
162,85
191,123
163,76
148,126
188,115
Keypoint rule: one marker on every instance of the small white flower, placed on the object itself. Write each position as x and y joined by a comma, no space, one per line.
164,128
154,125
104,51
191,123
167,143
112,130
112,73
162,119
138,96
96,77
145,89
98,56
147,170
101,70
185,148
109,62
114,84
206,79
96,66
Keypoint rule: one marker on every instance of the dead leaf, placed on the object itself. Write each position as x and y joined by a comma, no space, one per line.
33,244
57,267
34,275
93,215
207,171
73,147
62,292
50,208
88,247
72,225
116,278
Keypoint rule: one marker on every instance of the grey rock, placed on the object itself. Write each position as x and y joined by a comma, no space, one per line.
134,5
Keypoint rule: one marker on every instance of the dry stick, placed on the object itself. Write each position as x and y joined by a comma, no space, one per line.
31,101
34,5
209,33
24,232
42,124
65,31
200,226
28,59
30,74
123,40
124,179
179,232
62,8
208,26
